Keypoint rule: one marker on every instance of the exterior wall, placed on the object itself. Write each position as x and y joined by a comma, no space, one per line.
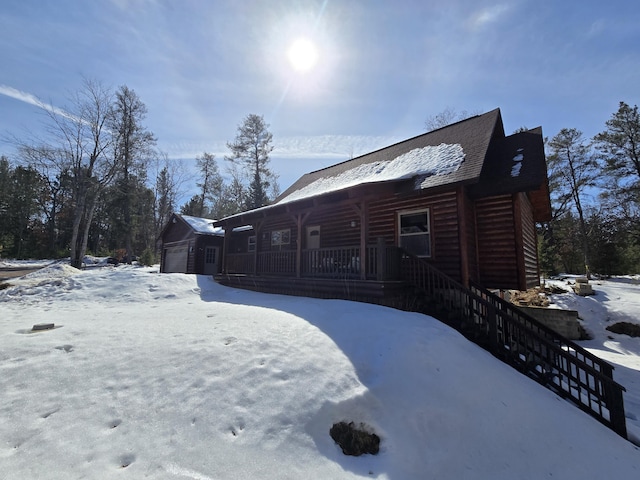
195,262
491,241
176,232
282,222
529,242
335,226
445,232
496,233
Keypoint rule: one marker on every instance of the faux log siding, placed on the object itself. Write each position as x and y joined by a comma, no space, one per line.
529,242
472,250
445,241
497,242
335,227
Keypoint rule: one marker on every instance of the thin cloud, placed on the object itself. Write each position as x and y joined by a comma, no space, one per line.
31,100
488,15
335,147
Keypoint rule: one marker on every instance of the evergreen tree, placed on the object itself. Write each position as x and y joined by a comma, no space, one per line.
211,185
619,146
132,148
250,150
574,170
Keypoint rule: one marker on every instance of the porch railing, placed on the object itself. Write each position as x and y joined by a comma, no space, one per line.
240,263
277,263
382,263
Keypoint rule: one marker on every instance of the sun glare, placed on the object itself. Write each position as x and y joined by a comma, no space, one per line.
303,55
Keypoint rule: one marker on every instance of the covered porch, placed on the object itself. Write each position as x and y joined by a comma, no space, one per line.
341,272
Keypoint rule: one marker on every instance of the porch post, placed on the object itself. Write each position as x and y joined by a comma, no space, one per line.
364,234
299,245
256,229
225,247
381,247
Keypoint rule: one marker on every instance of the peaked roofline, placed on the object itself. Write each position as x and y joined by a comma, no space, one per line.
474,135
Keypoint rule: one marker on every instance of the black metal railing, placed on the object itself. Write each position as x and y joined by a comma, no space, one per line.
521,341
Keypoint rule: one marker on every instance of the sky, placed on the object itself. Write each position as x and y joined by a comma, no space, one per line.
172,376
376,72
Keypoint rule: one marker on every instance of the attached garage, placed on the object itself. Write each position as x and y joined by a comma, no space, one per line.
190,245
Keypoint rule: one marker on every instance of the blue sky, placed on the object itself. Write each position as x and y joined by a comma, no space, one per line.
383,67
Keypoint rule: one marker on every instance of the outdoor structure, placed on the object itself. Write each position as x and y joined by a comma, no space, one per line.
465,198
190,245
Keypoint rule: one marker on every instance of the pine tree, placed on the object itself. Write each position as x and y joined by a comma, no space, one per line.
210,184
250,150
132,150
619,146
574,170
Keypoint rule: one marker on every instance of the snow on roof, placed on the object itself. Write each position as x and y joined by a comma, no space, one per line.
430,160
203,225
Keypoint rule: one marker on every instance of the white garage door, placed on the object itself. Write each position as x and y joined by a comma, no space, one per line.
175,259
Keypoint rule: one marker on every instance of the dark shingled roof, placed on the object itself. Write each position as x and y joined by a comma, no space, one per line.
493,164
473,134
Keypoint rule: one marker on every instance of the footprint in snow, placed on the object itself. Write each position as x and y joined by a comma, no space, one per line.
114,423
125,460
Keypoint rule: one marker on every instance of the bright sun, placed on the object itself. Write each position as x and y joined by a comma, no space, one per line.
303,55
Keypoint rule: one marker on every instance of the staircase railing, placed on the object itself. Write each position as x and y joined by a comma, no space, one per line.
520,341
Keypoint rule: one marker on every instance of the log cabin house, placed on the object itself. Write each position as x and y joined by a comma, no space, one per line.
464,198
431,224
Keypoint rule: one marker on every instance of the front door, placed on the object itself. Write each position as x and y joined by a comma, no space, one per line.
313,237
211,260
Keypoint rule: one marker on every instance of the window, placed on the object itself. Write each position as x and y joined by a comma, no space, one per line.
251,245
414,232
210,255
280,237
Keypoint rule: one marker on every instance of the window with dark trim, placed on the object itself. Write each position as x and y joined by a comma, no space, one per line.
280,237
251,244
414,232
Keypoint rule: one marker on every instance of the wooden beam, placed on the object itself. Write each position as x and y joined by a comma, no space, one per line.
463,239
225,247
364,235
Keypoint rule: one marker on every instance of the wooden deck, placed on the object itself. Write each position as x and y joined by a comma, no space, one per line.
388,293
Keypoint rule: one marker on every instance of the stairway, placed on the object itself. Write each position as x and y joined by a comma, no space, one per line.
518,340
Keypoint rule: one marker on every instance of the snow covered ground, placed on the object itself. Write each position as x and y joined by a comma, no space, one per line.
173,376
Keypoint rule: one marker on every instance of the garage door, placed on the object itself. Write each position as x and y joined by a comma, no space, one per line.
175,259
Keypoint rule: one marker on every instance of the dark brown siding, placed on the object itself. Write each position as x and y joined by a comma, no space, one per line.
176,232
529,242
445,238
335,226
468,235
497,258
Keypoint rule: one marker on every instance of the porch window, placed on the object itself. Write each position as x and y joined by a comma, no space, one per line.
251,245
414,232
280,237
